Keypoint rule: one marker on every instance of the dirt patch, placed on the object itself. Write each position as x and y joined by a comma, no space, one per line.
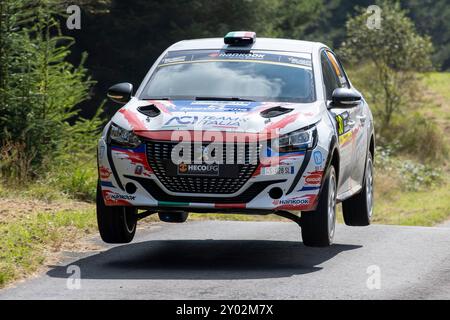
13,209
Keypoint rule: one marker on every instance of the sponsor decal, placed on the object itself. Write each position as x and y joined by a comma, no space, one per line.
138,170
117,196
221,121
242,55
314,177
173,60
298,203
183,120
345,138
105,173
182,168
115,199
252,56
278,170
293,202
208,106
204,121
318,158
198,169
300,61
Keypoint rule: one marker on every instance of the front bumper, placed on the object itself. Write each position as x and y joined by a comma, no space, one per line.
128,179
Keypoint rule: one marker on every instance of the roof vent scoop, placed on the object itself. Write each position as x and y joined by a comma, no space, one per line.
275,112
150,110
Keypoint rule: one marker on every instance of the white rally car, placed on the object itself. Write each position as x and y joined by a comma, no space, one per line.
238,125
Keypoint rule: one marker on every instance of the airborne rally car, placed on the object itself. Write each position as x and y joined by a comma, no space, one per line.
241,125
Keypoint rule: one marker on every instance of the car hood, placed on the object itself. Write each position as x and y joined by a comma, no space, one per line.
143,116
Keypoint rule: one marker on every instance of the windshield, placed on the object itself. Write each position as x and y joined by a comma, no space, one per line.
231,76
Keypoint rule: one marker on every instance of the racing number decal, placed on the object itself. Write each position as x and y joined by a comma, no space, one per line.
343,129
342,123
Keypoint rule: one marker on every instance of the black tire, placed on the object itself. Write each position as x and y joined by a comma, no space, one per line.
358,209
318,227
116,224
173,216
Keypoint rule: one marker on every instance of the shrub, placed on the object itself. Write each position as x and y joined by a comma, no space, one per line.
417,176
39,92
396,173
416,137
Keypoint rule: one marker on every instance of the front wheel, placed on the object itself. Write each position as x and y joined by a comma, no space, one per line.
318,226
358,209
116,224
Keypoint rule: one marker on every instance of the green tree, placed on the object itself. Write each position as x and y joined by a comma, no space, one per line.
396,52
39,91
432,17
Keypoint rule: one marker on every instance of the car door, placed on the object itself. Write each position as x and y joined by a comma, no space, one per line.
359,135
345,119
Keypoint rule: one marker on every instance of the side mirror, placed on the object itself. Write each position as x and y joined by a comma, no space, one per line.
345,98
121,92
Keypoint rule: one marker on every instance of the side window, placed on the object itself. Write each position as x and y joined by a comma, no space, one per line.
338,70
329,77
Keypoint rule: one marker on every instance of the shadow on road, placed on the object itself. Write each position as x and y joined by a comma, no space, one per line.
203,259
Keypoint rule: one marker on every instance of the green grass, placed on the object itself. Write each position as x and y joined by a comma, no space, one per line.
438,82
418,208
26,242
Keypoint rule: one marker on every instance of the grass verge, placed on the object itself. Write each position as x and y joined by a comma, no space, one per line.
27,242
416,208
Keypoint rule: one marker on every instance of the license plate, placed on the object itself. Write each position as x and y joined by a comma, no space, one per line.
279,170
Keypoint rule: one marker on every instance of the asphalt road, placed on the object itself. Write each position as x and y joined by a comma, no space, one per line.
254,260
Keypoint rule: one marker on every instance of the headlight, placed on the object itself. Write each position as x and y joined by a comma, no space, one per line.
123,137
298,140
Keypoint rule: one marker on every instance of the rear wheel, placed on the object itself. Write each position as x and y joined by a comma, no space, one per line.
318,226
358,209
116,224
173,216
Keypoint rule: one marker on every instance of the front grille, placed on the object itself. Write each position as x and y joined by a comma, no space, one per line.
236,168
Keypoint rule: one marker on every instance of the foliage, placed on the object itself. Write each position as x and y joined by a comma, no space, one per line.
432,17
410,174
39,93
396,51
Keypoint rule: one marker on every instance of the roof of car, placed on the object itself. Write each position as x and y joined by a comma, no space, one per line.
260,44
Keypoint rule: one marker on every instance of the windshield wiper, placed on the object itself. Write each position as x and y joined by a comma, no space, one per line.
222,99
